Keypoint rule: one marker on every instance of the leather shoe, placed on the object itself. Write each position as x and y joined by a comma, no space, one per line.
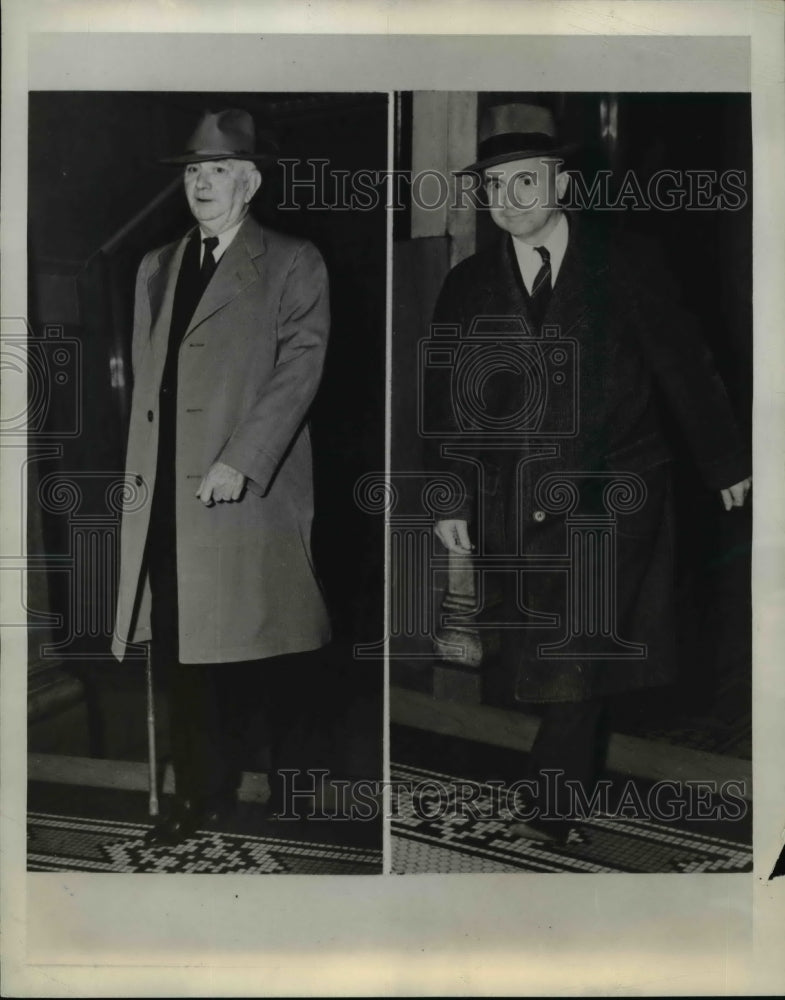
552,834
178,826
529,831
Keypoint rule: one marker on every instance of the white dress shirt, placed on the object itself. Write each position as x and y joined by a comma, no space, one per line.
530,262
224,240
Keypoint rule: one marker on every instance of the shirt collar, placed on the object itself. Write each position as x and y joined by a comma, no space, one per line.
556,245
224,239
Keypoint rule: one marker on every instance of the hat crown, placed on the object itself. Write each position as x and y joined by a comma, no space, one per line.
517,131
230,131
523,119
227,134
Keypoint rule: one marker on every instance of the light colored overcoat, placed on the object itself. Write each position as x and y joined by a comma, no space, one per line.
248,368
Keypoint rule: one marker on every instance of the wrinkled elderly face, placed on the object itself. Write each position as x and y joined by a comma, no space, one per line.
523,196
218,192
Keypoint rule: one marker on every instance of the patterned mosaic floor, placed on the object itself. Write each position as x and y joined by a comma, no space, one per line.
732,738
457,843
66,843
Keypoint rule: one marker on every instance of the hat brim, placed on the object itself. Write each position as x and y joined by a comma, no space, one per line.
263,159
518,154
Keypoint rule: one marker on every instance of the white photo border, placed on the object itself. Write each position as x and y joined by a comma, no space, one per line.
107,935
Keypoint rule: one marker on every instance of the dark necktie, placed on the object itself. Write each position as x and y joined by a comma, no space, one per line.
209,263
542,287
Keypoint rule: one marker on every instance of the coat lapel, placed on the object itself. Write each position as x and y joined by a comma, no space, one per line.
161,285
570,299
505,295
236,270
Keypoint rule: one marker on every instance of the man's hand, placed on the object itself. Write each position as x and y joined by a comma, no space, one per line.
454,535
221,483
734,496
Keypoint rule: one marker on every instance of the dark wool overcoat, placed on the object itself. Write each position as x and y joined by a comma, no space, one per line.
248,367
558,436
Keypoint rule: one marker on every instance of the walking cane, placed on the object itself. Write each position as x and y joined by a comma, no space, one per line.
151,755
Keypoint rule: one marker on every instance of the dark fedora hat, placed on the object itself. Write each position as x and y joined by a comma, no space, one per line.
227,135
516,132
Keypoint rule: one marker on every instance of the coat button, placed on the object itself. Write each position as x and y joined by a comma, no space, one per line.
138,480
150,415
539,515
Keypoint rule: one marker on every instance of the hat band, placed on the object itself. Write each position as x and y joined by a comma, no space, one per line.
220,152
515,142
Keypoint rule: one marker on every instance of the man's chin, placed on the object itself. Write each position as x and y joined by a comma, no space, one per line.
513,227
203,210
522,229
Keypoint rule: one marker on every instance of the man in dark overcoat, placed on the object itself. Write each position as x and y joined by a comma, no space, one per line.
569,345
230,332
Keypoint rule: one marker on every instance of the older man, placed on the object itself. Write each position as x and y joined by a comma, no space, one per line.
230,331
564,412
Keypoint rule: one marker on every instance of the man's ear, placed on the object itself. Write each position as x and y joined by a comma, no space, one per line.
253,182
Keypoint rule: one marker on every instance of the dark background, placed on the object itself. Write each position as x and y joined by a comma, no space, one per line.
99,200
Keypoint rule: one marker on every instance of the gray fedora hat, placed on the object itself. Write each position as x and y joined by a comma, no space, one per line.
227,135
516,132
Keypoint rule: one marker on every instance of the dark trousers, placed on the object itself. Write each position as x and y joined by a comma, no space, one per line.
571,739
220,714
